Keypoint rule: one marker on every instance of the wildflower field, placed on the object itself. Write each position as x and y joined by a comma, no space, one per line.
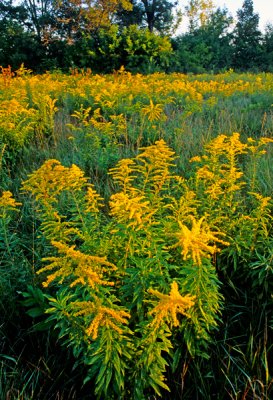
136,241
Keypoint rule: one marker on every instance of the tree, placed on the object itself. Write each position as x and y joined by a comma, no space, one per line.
247,38
125,18
40,15
136,49
198,12
97,13
218,36
207,47
156,15
268,49
41,33
61,19
17,44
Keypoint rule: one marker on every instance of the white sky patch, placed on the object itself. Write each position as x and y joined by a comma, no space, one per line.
263,7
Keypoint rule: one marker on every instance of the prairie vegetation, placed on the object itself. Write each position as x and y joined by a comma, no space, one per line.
136,235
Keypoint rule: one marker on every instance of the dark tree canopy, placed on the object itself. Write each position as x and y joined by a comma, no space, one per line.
156,15
207,47
267,59
50,34
247,37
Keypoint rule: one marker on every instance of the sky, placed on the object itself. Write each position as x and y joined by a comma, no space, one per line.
263,7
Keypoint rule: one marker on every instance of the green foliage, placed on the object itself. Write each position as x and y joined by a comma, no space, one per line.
144,51
247,41
138,50
205,48
50,35
17,44
267,56
16,124
157,16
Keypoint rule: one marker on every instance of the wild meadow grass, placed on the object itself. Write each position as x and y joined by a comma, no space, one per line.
136,236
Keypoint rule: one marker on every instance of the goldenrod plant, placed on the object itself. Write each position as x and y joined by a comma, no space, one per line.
163,235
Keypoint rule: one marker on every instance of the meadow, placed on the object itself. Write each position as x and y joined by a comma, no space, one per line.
136,235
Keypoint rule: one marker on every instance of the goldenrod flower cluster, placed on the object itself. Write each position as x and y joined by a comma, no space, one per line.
53,178
134,212
75,267
195,242
102,316
153,111
155,162
170,305
109,318
93,200
123,173
220,172
7,201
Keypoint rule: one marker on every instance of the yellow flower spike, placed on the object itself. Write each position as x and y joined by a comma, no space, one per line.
7,201
108,317
215,190
130,210
155,161
229,145
123,173
235,146
52,178
92,200
170,305
205,173
264,201
76,266
159,154
94,327
195,241
154,112
196,159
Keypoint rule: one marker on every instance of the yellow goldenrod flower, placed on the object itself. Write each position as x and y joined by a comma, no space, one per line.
123,173
205,173
196,159
106,317
195,242
263,201
170,305
130,210
77,266
154,112
256,147
159,154
51,179
155,161
93,200
103,316
234,145
8,202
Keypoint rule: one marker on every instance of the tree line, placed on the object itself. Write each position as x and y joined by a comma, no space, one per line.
140,35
